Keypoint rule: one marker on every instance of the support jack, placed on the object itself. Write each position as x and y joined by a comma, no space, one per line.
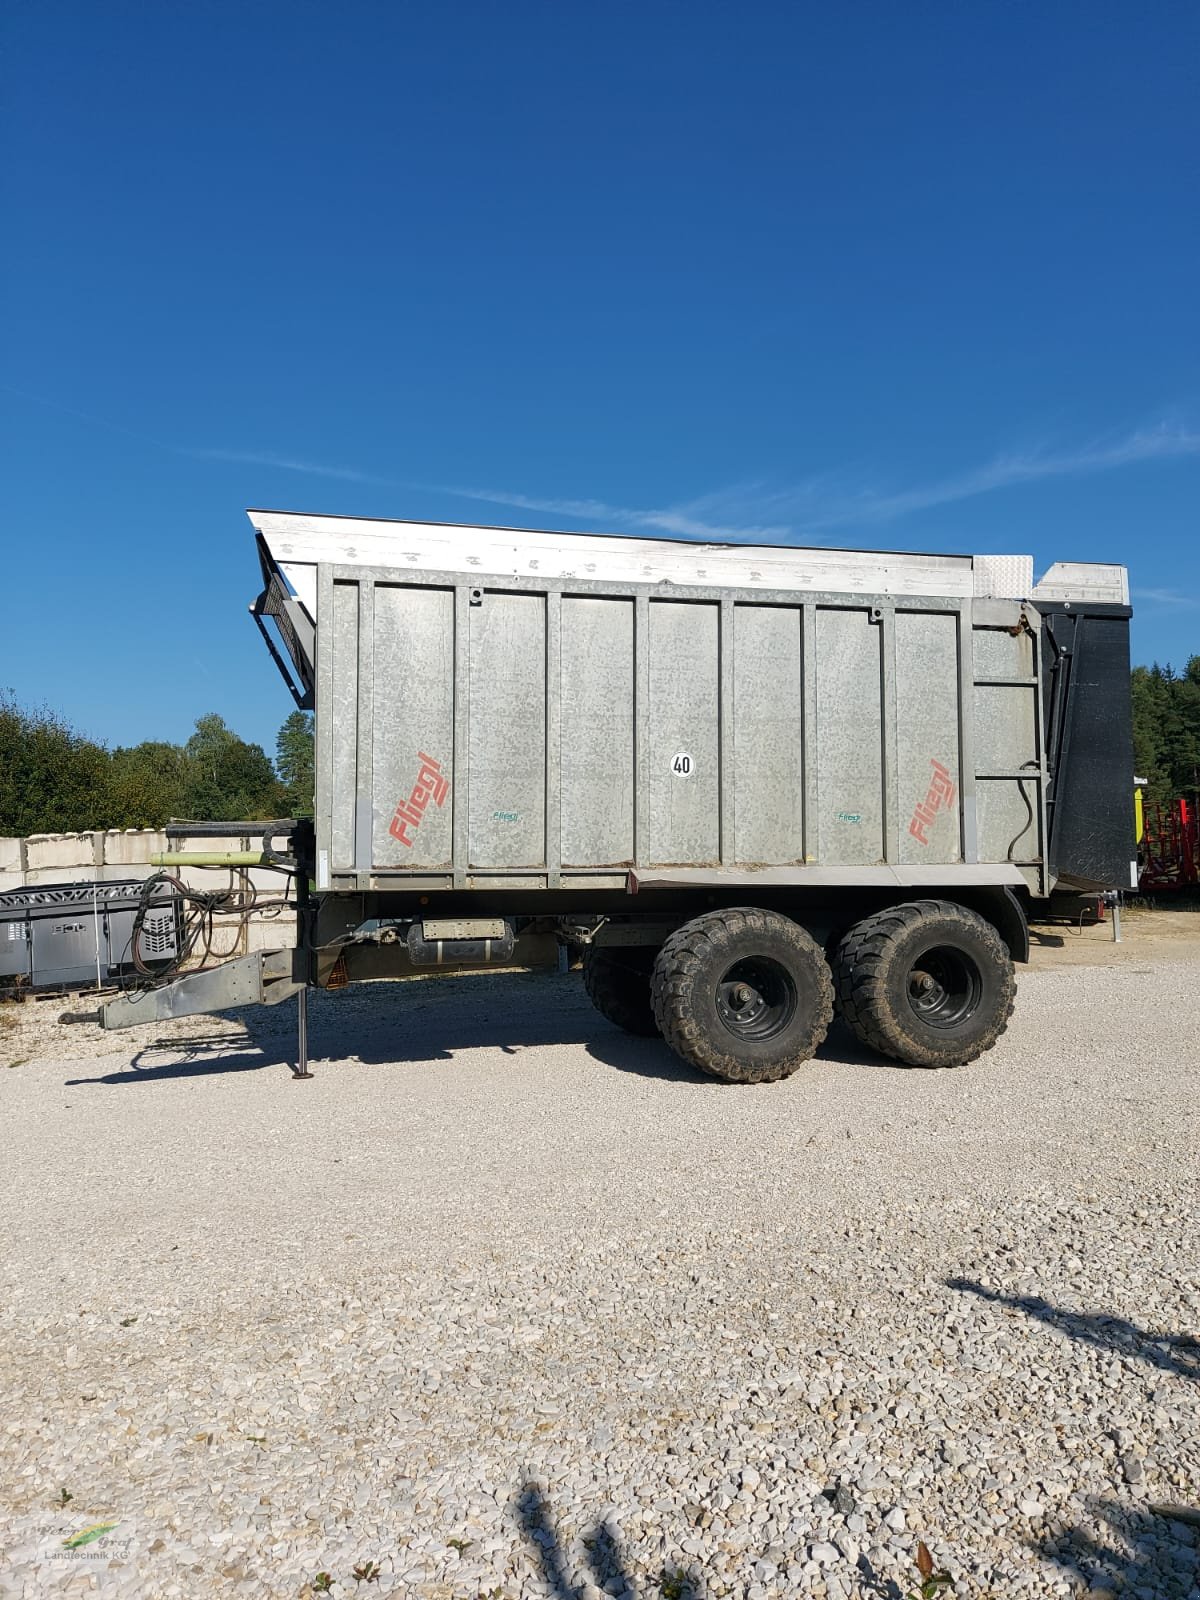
300,1070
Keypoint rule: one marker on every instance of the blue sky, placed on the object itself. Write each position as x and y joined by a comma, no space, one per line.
896,276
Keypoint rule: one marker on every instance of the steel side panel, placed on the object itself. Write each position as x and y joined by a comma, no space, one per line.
927,732
597,724
683,720
849,737
890,718
462,730
414,717
1010,810
798,748
552,795
727,772
343,646
808,642
966,735
1005,728
641,725
768,734
364,805
506,783
999,653
1008,820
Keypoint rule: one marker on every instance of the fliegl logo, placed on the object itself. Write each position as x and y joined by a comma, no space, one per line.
431,784
940,797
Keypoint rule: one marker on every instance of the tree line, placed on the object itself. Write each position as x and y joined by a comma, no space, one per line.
54,779
1166,730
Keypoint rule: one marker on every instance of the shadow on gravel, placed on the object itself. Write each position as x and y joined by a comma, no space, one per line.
398,1024
605,1558
875,1587
1176,1353
191,1058
1127,1550
423,1039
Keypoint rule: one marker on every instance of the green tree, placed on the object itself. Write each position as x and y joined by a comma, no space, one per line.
148,783
227,779
52,779
1166,729
55,780
1185,753
1149,693
294,761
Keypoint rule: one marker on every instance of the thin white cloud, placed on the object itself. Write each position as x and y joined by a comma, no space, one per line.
253,458
1168,597
1146,444
263,458
757,510
826,503
676,520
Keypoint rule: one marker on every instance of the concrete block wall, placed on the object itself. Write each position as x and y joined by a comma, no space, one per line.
50,858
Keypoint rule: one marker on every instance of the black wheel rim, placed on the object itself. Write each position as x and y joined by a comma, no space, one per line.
944,987
756,999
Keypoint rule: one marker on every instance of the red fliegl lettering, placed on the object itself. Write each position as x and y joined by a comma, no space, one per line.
940,797
431,784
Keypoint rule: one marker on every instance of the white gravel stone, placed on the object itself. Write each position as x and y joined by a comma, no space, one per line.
512,1305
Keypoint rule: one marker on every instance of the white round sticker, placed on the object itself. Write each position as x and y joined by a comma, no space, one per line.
681,765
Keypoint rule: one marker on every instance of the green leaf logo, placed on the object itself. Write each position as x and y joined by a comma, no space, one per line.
89,1535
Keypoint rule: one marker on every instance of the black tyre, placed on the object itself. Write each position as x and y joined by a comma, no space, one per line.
745,995
617,980
930,984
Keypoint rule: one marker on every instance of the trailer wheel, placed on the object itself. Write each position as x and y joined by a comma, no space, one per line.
617,980
930,984
743,994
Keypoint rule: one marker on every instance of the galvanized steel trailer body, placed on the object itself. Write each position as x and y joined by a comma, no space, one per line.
555,726
554,710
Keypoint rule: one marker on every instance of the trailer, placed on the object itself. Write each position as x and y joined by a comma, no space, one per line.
751,784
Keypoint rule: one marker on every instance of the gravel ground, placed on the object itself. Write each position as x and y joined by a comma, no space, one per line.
512,1304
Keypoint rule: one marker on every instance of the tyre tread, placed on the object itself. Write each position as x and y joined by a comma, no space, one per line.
860,972
618,991
678,964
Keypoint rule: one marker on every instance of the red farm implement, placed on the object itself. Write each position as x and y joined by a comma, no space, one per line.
1170,847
